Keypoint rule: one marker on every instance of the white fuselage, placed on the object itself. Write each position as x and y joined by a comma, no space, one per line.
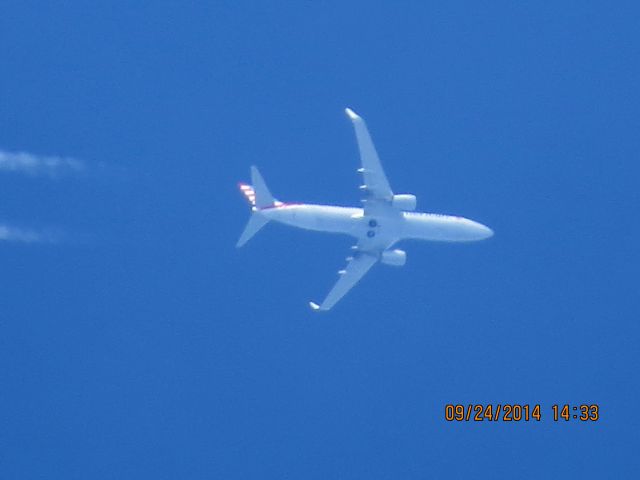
399,226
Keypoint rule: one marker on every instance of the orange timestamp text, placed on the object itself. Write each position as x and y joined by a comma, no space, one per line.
515,412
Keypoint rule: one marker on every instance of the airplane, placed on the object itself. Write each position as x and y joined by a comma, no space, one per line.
383,220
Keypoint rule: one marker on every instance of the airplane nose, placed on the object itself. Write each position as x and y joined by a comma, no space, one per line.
486,232
480,231
474,231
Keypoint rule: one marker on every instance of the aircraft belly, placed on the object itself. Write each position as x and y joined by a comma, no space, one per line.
440,228
317,218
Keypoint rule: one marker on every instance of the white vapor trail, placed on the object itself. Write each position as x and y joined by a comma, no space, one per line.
9,233
30,164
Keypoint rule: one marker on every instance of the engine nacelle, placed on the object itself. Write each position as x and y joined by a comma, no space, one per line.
396,258
404,202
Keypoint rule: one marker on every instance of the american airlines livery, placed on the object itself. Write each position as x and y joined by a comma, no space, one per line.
383,220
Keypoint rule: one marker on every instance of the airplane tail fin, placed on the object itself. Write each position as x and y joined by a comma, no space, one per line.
258,196
262,194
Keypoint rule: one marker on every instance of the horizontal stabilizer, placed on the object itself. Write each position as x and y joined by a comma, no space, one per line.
256,222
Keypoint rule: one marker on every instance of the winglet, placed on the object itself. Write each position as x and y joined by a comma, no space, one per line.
352,115
314,306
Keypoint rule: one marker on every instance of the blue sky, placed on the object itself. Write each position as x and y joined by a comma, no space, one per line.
137,342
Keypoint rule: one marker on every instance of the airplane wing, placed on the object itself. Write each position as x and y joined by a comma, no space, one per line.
375,184
366,254
355,270
377,201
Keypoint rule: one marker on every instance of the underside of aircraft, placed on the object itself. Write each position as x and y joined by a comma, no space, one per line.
384,219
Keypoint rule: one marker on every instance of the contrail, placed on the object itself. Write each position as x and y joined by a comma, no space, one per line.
9,233
34,165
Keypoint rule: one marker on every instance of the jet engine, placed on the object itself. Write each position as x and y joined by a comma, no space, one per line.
396,258
404,202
